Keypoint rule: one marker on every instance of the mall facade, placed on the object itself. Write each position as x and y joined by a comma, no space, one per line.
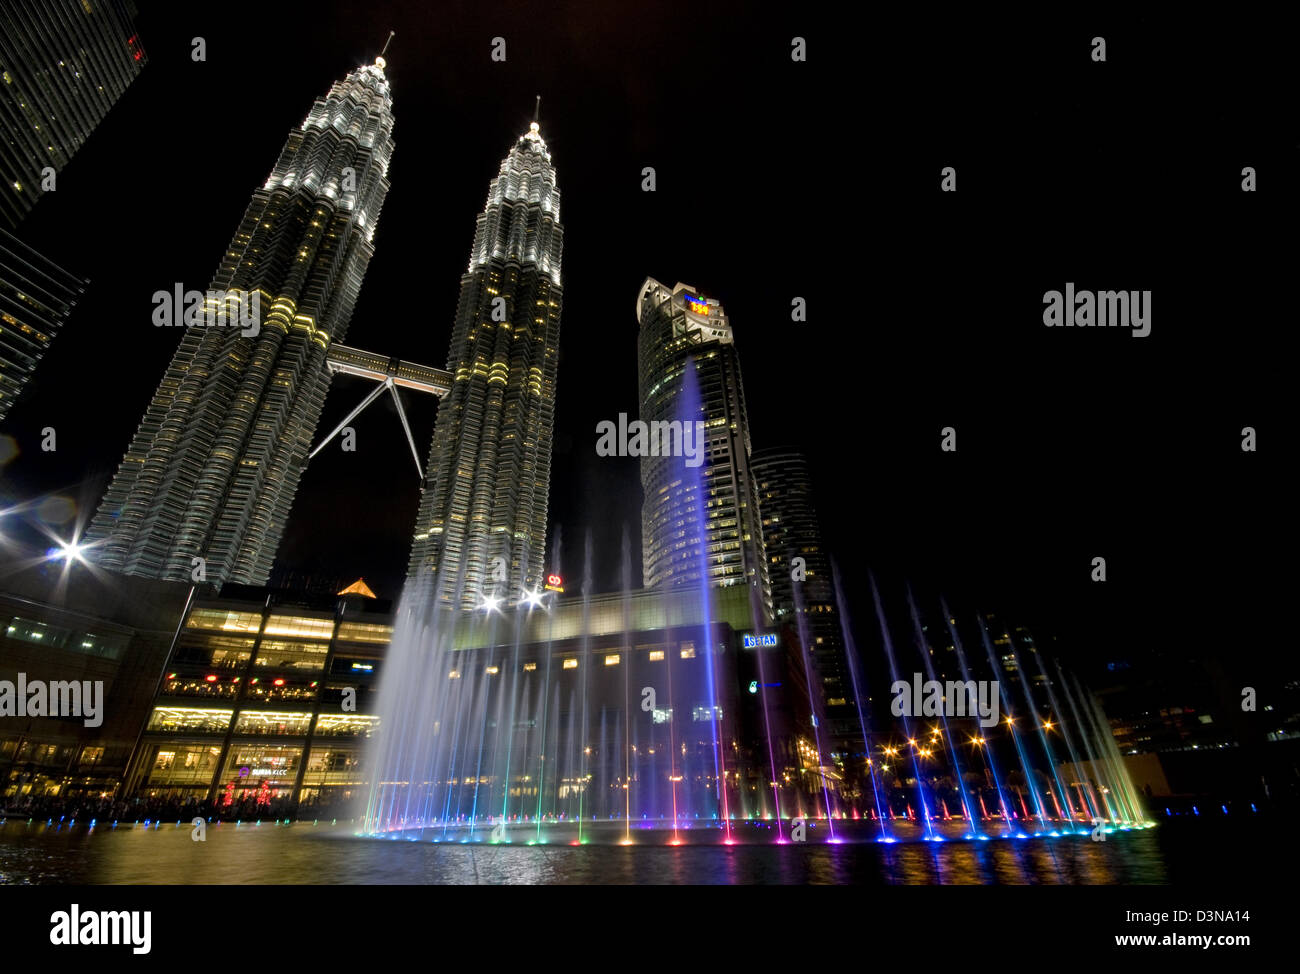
266,696
270,698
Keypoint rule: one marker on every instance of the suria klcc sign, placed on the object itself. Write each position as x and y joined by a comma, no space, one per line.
757,640
247,772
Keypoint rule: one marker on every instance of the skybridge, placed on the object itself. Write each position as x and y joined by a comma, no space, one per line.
387,373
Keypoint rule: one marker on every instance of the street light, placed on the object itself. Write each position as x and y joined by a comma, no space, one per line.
70,551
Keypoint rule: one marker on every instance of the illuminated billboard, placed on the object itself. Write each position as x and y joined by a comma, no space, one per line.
696,305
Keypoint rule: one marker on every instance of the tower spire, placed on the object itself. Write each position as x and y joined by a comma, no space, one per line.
537,110
381,62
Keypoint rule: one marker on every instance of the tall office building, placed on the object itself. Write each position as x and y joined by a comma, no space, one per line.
706,518
63,64
36,297
214,467
481,530
803,593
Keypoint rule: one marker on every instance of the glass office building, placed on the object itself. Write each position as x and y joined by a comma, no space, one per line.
703,520
63,65
36,297
803,593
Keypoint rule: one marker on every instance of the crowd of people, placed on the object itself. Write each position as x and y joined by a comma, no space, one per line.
85,808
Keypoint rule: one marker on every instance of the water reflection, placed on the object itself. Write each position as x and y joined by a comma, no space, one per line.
331,853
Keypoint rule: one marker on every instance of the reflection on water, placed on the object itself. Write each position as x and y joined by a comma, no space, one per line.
331,853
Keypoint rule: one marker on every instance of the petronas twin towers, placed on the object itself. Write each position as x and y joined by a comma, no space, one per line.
205,488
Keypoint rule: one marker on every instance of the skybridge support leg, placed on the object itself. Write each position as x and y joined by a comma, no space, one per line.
375,394
401,414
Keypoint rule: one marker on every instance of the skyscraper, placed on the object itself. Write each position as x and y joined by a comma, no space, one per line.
803,593
63,64
213,469
481,529
36,297
681,329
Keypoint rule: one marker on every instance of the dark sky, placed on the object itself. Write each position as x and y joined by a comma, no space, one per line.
775,180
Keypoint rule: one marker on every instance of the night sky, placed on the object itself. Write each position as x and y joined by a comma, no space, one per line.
775,180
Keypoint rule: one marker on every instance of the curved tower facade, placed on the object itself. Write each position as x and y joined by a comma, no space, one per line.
213,468
481,530
704,521
792,530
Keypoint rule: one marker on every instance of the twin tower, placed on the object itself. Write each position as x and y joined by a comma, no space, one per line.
205,488
204,491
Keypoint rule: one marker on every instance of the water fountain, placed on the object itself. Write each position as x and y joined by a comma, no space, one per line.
624,718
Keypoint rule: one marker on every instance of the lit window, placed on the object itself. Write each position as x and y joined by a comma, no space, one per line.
222,619
611,659
570,664
529,667
299,626
656,655
688,651
364,632
492,671
454,675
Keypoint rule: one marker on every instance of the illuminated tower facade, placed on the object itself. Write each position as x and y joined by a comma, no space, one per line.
803,593
63,65
36,297
481,529
701,521
213,468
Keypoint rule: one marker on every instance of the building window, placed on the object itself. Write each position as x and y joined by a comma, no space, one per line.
263,722
176,719
224,619
345,725
184,766
280,654
299,626
91,756
364,632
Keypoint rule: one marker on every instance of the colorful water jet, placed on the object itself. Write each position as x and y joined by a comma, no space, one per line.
685,714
